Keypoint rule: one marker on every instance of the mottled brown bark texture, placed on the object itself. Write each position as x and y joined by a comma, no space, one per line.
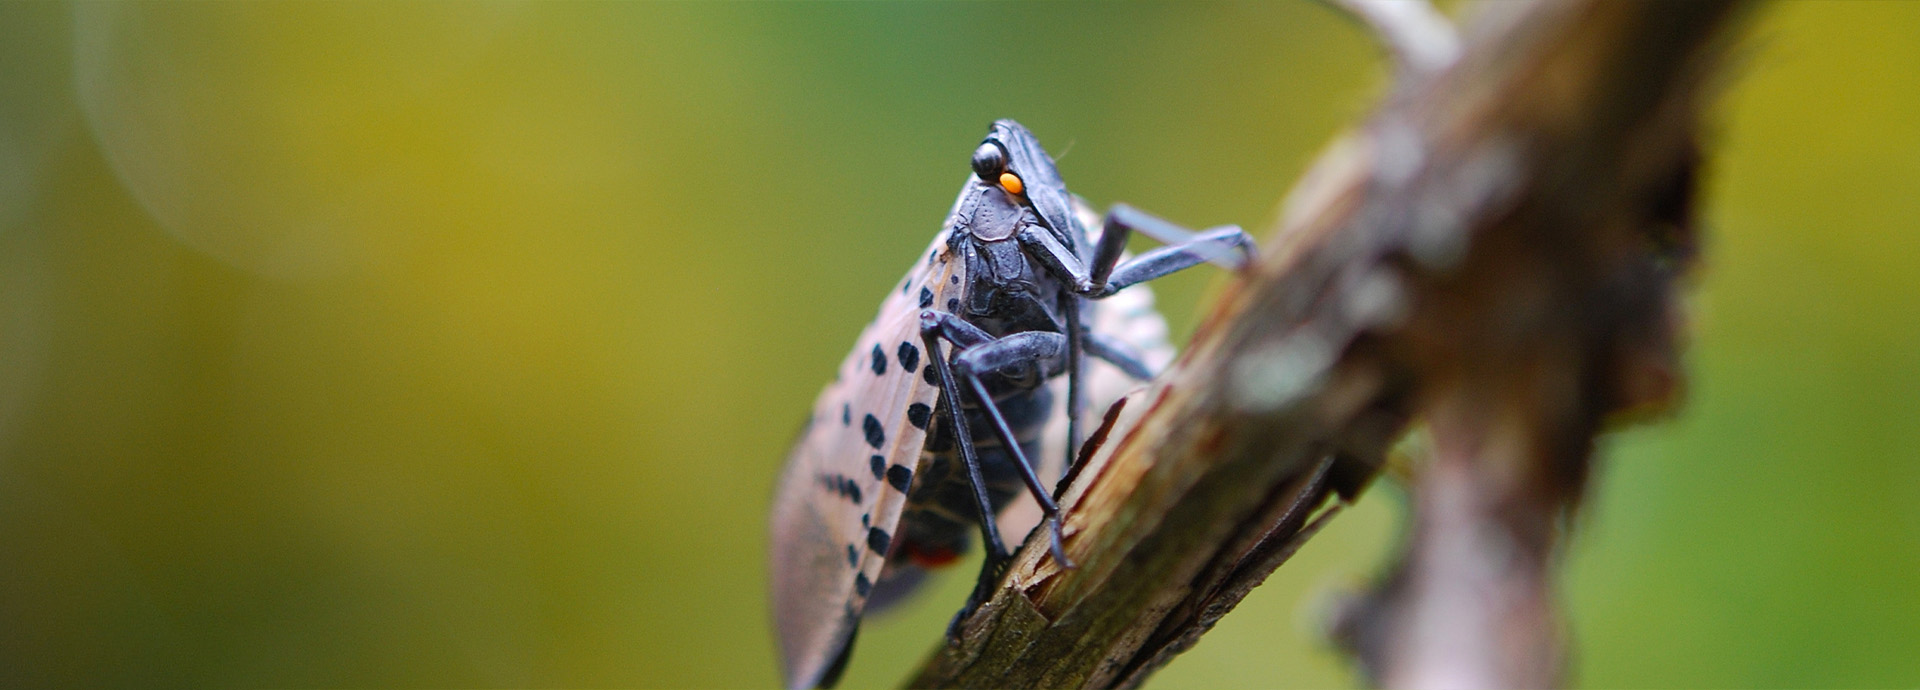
1494,254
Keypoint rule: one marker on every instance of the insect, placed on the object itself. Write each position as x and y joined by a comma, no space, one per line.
916,444
1128,317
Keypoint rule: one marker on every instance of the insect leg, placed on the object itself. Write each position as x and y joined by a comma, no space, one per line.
1228,246
935,325
1076,361
1034,348
1118,354
979,353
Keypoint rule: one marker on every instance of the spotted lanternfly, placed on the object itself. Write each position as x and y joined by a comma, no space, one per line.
1128,318
912,447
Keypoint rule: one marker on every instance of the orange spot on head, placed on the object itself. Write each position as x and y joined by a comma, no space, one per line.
1012,183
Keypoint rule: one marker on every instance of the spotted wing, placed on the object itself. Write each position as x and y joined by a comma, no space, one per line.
840,497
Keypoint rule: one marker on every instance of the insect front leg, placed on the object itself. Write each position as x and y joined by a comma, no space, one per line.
1228,246
1031,348
978,353
935,326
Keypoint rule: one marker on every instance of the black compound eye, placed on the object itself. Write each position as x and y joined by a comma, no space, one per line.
989,161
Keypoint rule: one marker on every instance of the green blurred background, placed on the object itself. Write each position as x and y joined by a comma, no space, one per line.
458,344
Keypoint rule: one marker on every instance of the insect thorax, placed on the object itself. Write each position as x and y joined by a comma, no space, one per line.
1005,292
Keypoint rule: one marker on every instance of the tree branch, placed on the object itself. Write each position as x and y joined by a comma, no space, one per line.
1419,38
1495,252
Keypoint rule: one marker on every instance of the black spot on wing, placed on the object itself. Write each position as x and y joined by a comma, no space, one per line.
866,519
953,304
918,414
909,357
840,485
926,298
861,584
899,477
853,556
955,280
876,436
878,540
879,465
879,360
932,377
846,414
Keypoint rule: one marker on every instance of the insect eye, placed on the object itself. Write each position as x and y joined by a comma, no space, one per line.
989,161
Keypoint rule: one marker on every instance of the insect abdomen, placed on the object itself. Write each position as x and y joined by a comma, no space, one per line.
940,516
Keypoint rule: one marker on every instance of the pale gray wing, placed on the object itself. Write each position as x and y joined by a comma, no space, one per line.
844,486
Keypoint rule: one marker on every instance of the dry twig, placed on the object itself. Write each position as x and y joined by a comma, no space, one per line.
1495,252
